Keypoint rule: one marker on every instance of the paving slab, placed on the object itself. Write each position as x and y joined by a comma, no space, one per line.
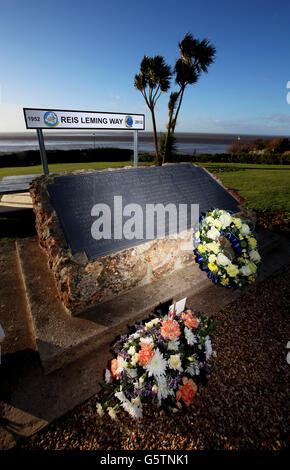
16,184
14,315
15,202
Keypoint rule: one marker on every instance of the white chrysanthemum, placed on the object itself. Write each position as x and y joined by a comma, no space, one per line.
147,340
209,220
134,359
255,256
245,229
157,365
212,258
208,348
122,364
193,369
112,413
132,350
217,223
136,401
155,321
100,410
174,362
225,219
135,336
213,233
163,390
108,376
222,260
245,270
173,345
213,246
190,338
133,409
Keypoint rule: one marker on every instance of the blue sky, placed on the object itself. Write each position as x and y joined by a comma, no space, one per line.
84,55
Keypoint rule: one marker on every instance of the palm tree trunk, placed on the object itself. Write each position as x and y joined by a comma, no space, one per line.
177,111
165,155
155,136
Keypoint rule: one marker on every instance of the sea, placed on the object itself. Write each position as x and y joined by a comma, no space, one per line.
186,143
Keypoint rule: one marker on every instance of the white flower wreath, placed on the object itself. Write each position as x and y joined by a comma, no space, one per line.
234,267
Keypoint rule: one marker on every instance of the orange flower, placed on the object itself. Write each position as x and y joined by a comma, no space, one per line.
145,354
170,330
186,391
189,319
114,367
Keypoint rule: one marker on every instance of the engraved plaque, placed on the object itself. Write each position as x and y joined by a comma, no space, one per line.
79,198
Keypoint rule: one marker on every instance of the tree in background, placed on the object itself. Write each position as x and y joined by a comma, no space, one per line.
258,144
195,57
239,147
278,145
152,80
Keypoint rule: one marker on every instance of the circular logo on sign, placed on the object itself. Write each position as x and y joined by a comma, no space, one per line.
128,121
50,118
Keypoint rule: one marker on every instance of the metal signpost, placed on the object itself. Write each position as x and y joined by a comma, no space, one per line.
64,119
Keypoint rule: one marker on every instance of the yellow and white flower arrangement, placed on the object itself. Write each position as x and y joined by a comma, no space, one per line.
238,270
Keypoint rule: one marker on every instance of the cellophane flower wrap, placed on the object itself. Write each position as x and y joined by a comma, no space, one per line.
161,362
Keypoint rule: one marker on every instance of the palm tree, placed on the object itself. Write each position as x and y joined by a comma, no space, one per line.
152,80
195,58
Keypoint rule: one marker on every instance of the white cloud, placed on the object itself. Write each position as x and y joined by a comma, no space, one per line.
11,118
280,118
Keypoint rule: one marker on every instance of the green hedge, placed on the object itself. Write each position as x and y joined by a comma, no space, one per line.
271,159
105,154
32,157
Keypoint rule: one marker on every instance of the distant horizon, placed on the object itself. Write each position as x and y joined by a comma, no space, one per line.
186,142
32,132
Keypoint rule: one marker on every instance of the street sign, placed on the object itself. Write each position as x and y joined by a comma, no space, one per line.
63,119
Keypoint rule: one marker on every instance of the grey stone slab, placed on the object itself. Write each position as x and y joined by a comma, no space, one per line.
19,178
73,197
16,184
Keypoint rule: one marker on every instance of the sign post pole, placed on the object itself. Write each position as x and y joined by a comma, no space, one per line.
135,148
42,151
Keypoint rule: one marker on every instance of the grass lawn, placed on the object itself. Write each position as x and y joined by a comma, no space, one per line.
59,167
265,187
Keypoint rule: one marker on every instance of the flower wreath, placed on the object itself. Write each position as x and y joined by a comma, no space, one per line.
236,269
162,362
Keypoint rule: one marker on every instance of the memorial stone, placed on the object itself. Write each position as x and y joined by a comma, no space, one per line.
89,270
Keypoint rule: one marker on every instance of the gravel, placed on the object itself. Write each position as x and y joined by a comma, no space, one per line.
244,406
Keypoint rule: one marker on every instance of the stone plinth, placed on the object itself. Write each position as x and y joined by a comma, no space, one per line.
81,282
